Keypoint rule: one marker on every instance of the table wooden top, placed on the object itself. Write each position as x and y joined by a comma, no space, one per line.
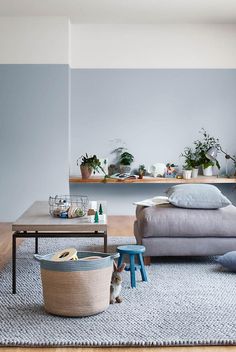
150,180
37,218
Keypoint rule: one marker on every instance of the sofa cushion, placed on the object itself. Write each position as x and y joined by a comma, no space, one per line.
197,196
171,221
228,260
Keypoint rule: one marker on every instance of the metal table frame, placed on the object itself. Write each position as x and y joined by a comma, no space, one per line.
40,234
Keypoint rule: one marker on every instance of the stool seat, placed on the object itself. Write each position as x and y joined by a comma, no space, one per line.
132,250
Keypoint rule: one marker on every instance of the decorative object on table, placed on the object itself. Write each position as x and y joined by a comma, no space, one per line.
212,153
171,171
141,171
157,170
96,218
68,286
100,209
66,206
91,212
90,165
116,283
132,251
197,196
228,261
125,161
191,163
201,148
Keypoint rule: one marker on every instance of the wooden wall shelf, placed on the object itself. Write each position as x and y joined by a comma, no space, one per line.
151,180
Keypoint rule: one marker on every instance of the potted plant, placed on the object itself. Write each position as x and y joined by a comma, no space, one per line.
89,165
141,171
201,147
125,161
192,162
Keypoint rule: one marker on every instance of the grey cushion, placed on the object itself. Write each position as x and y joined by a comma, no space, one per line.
228,260
170,221
197,196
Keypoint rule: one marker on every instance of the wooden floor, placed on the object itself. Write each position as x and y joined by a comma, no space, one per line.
118,226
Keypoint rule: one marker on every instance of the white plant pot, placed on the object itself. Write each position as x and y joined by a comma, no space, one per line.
208,171
194,173
187,174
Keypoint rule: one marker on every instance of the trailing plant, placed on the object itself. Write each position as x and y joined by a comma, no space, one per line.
203,145
92,162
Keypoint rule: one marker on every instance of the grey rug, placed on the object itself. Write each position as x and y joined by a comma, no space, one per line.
185,302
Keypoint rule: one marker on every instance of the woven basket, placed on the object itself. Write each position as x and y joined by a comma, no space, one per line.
76,288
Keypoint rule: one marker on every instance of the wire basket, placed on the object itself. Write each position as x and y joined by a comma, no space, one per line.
68,206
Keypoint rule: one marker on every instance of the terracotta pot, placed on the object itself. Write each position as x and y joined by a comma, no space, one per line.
86,171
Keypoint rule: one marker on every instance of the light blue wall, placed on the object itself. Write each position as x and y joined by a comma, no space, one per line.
34,153
157,112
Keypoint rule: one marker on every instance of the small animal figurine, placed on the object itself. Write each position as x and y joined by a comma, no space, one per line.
116,281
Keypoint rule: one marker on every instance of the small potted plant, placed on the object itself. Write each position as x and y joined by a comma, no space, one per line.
125,161
141,171
89,165
192,162
201,147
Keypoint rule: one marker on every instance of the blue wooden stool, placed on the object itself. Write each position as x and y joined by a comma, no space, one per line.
132,250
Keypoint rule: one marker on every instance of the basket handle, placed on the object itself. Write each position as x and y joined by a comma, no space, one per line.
38,257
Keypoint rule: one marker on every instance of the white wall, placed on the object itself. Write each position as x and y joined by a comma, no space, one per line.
34,111
153,46
34,40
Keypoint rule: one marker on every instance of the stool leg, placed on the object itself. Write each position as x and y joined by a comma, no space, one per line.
132,271
142,268
120,260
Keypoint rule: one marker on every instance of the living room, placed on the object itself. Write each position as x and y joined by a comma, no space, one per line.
118,136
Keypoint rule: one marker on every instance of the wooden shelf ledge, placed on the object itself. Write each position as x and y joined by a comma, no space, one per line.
200,179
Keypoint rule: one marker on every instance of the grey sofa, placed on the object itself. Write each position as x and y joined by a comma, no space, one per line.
170,231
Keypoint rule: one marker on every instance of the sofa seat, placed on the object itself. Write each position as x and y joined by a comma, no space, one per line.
170,221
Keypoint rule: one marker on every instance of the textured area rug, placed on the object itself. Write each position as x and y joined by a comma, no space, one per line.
185,302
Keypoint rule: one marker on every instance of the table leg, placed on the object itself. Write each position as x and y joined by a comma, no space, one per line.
36,242
105,242
14,263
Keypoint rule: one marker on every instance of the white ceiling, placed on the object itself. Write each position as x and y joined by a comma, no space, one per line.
126,11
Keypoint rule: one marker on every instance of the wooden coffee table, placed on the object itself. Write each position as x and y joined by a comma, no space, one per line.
36,222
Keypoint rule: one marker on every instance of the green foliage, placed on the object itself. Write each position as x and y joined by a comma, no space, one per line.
142,168
126,158
191,158
203,145
96,218
91,162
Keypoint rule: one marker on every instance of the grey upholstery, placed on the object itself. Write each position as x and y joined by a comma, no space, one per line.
168,231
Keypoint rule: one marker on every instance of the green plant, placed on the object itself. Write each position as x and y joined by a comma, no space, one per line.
126,158
91,162
142,168
191,158
203,145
